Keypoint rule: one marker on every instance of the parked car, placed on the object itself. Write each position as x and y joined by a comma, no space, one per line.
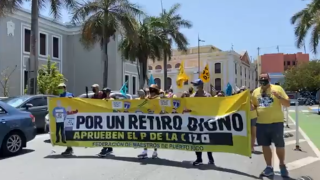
16,129
113,94
37,105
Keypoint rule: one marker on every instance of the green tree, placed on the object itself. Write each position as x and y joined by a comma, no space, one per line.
305,76
102,19
55,6
147,47
171,23
49,78
308,19
5,80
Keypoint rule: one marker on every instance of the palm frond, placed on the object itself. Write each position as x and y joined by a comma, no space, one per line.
81,11
8,6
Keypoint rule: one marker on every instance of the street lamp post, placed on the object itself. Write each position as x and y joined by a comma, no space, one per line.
199,40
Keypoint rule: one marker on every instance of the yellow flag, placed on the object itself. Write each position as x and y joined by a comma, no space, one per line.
205,75
182,76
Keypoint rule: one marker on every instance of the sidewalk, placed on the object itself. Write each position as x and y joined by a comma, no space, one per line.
299,163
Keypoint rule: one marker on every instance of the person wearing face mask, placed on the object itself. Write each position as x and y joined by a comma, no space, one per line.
142,94
154,93
171,94
106,96
268,99
97,93
62,90
198,85
162,94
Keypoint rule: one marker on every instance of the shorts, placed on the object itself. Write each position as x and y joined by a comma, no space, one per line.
253,122
270,133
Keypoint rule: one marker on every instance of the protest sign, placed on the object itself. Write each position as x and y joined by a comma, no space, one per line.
192,124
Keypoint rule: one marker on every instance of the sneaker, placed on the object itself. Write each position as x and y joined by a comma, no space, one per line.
211,162
283,171
268,171
154,154
143,155
67,153
197,163
104,154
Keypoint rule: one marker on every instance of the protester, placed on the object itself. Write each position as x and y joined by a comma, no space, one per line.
106,94
269,99
97,93
142,94
185,94
198,84
162,94
62,90
190,90
154,94
171,94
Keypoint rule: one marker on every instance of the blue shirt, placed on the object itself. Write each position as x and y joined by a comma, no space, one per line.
66,94
60,114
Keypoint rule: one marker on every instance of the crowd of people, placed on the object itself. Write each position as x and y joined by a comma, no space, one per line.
266,117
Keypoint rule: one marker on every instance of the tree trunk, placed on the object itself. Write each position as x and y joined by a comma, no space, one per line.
105,51
143,72
32,86
165,72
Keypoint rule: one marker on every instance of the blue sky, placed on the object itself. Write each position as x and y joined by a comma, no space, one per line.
245,24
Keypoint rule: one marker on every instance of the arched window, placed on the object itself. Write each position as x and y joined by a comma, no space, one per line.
186,82
217,84
158,82
169,83
158,67
169,66
177,65
149,67
217,68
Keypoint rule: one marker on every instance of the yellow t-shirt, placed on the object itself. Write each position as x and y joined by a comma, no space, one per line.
268,106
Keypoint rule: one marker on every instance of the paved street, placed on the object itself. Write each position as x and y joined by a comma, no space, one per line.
37,163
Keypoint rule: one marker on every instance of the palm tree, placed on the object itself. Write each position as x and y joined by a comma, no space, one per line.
102,19
9,6
172,22
147,46
305,20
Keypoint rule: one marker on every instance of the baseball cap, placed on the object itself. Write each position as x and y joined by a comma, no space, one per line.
62,85
197,82
106,89
95,85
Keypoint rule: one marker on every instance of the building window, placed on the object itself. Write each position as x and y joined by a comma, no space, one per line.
150,68
245,72
241,82
126,80
43,44
240,71
235,68
169,83
158,82
55,47
288,63
249,74
235,81
217,68
27,40
134,85
217,84
169,66
177,66
293,63
158,67
186,82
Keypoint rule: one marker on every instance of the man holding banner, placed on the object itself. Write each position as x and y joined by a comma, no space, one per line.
269,99
198,84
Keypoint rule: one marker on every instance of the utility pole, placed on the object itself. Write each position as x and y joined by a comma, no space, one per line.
258,51
199,40
304,47
278,49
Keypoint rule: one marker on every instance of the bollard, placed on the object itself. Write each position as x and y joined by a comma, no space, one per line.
297,128
287,118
